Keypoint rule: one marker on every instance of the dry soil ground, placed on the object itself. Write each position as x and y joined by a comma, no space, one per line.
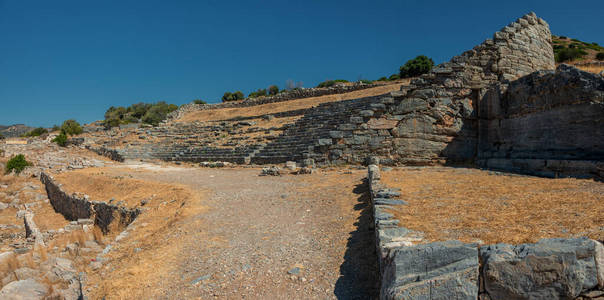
490,207
246,236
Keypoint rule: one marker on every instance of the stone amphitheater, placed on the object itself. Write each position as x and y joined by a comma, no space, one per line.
502,110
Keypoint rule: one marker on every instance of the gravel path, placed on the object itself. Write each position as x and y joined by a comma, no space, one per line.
288,237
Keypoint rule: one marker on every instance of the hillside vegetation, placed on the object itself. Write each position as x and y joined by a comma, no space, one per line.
568,50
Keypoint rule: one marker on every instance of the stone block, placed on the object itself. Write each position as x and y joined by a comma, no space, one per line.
548,269
440,270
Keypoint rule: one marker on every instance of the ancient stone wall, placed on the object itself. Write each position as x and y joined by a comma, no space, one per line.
73,207
548,123
549,269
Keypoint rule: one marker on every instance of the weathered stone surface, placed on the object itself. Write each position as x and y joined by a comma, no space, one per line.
549,269
441,270
28,289
381,123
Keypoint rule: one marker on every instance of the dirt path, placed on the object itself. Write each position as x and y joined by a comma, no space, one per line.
289,237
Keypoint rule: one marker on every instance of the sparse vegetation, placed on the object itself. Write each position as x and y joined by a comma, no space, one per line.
394,77
600,56
258,93
415,67
199,101
329,83
17,163
228,96
273,90
60,139
567,50
149,113
36,132
71,127
1,136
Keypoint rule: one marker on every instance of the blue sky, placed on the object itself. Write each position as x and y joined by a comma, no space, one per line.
74,59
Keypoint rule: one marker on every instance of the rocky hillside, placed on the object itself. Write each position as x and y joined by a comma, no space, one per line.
569,50
14,130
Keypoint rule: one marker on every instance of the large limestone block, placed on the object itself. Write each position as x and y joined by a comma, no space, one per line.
440,270
28,289
549,269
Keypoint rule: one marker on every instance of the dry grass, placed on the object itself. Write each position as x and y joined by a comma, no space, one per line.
271,108
592,69
158,232
477,206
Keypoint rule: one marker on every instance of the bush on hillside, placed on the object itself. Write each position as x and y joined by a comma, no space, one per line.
394,77
383,78
273,90
417,66
115,116
228,96
36,132
1,136
17,163
71,127
258,93
55,128
158,112
329,83
366,81
600,56
198,101
60,139
568,54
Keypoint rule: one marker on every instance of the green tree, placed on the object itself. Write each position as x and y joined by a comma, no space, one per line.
417,66
17,163
158,112
60,139
71,127
273,90
238,95
36,132
199,101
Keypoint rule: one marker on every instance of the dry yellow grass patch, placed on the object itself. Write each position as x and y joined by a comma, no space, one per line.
592,69
160,232
271,108
473,205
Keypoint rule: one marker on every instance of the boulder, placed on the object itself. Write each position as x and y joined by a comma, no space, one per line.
440,270
548,269
28,289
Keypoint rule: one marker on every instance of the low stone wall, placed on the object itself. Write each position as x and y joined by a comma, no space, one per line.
110,153
285,96
549,269
73,207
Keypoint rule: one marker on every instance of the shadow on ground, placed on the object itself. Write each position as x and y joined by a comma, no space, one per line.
359,272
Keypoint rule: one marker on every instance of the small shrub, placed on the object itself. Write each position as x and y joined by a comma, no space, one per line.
383,78
273,90
394,77
258,93
55,128
563,37
568,54
36,132
366,81
228,96
600,56
17,163
158,112
60,139
71,127
199,101
329,83
1,136
417,66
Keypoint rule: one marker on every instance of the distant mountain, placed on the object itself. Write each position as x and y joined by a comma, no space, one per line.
14,130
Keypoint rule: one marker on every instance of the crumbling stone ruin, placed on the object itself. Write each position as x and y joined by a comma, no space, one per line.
500,105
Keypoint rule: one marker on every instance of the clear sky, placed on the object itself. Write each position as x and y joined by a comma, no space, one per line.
74,59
